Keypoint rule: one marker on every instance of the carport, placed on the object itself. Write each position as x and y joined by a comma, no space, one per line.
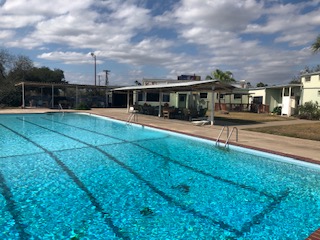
192,86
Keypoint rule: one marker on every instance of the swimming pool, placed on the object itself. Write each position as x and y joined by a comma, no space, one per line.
78,176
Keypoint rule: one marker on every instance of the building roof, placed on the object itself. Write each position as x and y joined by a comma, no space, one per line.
310,74
205,85
50,84
277,86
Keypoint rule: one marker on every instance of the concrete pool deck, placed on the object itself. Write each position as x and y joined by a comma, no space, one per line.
306,150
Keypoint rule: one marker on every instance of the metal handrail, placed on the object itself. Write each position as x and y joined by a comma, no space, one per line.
61,108
222,130
132,117
237,134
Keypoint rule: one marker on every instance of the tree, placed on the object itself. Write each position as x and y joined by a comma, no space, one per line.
315,47
226,77
5,62
261,84
295,80
22,65
137,83
308,69
14,69
45,74
7,89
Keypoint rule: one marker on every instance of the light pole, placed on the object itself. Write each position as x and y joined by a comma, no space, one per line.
95,68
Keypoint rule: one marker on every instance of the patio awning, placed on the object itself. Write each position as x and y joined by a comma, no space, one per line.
206,85
53,85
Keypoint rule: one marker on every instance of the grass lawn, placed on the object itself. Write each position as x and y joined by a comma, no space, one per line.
246,118
306,131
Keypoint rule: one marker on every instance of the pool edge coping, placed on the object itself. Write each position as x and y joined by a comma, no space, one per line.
309,160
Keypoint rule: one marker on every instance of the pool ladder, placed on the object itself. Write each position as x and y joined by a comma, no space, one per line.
133,117
61,108
228,135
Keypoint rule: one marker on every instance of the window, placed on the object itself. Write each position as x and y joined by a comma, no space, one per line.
182,97
221,95
307,78
318,93
286,92
166,97
152,97
140,97
237,96
204,95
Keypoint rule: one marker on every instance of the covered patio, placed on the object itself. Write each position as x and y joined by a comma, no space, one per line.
65,95
192,86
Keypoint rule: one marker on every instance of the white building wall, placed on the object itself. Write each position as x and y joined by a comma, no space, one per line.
258,93
311,88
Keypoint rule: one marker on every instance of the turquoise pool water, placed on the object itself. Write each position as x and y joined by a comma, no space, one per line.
76,176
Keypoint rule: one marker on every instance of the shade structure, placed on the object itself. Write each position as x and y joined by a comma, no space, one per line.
205,85
190,86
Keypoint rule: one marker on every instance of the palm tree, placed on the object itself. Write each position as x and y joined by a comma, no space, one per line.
315,47
137,83
225,77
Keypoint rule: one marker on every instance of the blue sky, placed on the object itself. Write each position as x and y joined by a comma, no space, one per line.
257,40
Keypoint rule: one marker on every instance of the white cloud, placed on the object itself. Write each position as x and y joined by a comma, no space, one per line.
67,57
14,22
5,34
227,15
45,8
257,40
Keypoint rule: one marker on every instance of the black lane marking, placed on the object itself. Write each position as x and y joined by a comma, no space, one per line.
257,219
245,228
249,188
78,182
166,158
70,125
103,134
11,206
168,198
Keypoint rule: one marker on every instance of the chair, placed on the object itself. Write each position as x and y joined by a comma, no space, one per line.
200,123
166,114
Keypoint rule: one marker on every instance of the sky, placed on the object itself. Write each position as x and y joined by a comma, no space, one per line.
257,40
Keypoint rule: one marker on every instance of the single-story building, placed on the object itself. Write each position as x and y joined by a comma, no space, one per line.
285,96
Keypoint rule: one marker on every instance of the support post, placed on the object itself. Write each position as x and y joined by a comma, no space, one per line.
23,96
212,106
128,101
52,96
160,102
77,97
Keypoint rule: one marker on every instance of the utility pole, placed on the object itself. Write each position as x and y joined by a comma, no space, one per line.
107,80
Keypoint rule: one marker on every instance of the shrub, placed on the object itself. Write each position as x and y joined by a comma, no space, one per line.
82,106
310,111
277,110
